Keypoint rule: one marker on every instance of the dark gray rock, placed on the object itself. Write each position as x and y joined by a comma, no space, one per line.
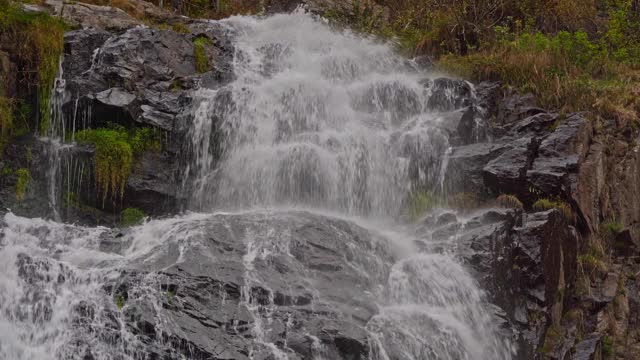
506,174
555,168
589,348
449,94
312,287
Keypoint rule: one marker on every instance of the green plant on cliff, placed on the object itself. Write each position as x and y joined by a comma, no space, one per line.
36,39
132,216
116,149
611,228
547,204
200,45
509,201
6,122
22,183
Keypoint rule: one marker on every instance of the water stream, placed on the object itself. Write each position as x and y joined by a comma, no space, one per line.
320,132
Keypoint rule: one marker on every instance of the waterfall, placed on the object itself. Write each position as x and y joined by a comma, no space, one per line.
314,117
300,171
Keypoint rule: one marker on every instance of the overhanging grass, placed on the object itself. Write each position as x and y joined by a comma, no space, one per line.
116,149
36,40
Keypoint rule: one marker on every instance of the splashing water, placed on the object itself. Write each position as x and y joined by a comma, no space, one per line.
315,119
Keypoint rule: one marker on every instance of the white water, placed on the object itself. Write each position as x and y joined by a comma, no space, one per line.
317,118
314,119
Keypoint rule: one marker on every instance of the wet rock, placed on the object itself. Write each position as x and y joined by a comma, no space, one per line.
516,107
449,94
589,349
472,127
554,170
303,289
507,172
84,15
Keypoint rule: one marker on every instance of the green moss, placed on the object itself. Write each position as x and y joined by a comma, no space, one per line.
421,202
6,121
22,184
552,339
611,228
7,171
607,347
200,45
116,149
120,301
36,38
132,216
547,204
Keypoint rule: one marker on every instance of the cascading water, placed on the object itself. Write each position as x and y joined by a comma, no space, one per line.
315,119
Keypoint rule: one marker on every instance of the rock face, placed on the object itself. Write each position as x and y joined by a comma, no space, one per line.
142,77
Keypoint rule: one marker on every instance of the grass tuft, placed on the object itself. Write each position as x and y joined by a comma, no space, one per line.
547,204
509,201
200,45
22,184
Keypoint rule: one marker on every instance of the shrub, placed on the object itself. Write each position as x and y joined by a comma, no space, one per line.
200,45
132,216
22,183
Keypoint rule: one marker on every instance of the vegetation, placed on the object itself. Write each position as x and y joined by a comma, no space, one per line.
611,228
132,216
552,339
120,301
573,55
36,39
200,45
116,149
607,347
22,183
421,202
6,121
509,201
592,263
218,9
547,204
